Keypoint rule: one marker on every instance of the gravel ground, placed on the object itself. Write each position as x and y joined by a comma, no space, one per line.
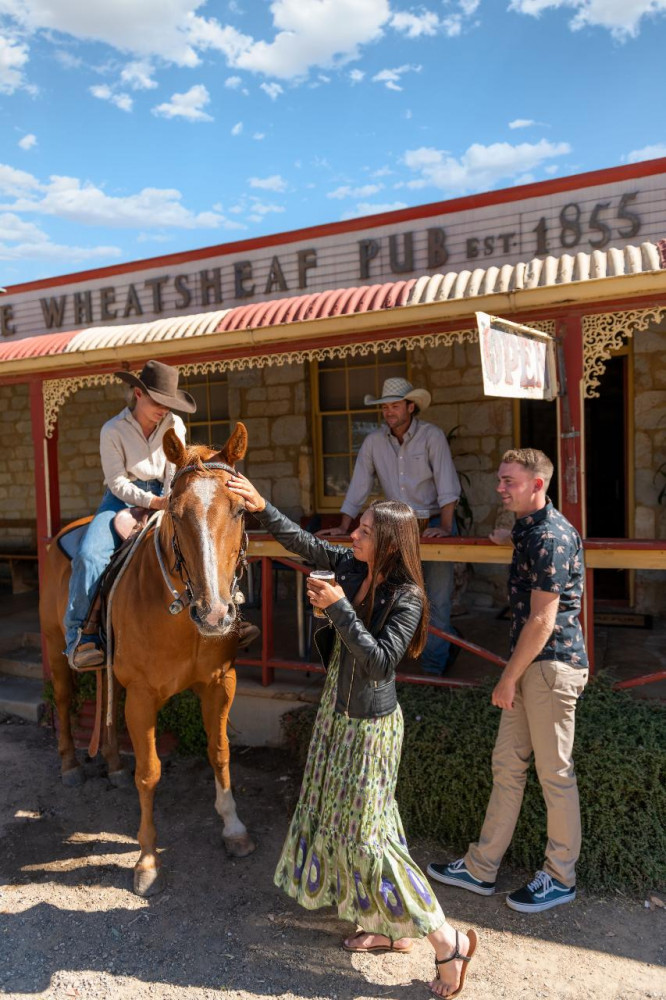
71,927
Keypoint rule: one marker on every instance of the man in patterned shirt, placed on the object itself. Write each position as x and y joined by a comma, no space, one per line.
538,691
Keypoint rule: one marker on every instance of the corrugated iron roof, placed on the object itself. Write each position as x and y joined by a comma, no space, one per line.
467,284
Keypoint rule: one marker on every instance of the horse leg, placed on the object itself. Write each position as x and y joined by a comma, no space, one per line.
141,716
216,701
119,776
71,771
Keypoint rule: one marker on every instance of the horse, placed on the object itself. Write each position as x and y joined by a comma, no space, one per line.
158,652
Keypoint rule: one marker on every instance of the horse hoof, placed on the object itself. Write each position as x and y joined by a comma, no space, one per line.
74,777
122,778
239,847
149,881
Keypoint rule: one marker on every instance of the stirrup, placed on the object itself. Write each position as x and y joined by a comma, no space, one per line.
87,653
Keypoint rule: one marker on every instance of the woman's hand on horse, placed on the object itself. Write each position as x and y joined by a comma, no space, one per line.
321,593
243,487
159,503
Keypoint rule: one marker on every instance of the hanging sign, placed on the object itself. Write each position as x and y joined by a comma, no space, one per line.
517,361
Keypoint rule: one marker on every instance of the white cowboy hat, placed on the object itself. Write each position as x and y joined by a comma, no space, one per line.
395,389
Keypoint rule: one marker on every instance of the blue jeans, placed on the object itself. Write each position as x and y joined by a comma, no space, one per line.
438,577
94,555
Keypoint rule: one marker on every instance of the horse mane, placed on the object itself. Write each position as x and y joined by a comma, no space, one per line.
197,454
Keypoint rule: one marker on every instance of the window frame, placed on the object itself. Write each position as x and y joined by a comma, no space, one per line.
323,503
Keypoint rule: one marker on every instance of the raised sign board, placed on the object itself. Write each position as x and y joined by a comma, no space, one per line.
610,208
517,361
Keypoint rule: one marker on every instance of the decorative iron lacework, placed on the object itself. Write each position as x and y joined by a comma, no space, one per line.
604,333
57,391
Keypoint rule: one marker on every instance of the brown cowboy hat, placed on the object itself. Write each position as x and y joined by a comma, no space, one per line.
161,383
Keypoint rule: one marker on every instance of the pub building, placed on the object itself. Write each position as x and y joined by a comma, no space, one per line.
289,332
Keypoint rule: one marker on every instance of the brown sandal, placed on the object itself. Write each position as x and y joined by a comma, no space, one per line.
379,948
465,959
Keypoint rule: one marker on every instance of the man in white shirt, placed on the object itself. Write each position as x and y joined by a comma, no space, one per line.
412,461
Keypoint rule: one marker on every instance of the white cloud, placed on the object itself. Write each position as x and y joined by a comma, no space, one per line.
356,75
28,141
621,17
16,183
151,27
365,191
21,240
237,128
273,183
323,33
259,136
522,123
138,75
654,152
414,25
480,167
391,78
104,93
454,23
551,169
83,202
67,60
13,57
367,208
264,208
272,89
382,172
188,105
233,82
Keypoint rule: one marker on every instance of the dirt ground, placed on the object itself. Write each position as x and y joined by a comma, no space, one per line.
71,927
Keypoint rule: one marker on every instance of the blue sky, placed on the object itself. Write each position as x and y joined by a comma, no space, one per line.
136,128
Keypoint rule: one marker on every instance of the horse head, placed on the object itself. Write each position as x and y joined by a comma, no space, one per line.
205,521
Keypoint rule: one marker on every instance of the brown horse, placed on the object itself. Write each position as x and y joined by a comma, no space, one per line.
156,653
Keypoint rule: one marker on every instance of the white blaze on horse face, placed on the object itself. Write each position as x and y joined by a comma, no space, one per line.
205,490
226,807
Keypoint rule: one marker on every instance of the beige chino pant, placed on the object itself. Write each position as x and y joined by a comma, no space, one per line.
542,722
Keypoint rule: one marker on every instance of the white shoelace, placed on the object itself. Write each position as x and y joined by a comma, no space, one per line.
541,881
457,865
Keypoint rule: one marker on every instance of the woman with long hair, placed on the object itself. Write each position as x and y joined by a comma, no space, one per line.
346,845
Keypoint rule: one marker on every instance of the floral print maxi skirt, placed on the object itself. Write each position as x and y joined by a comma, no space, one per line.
346,846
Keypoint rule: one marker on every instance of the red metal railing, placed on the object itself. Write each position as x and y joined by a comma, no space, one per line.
269,662
600,553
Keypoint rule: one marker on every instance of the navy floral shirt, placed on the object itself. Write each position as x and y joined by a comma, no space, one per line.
548,555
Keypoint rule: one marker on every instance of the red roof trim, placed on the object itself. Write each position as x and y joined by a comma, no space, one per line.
542,189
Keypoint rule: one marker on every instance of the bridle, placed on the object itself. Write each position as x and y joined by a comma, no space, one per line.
184,599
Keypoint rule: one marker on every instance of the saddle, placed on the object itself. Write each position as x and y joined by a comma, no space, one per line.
127,524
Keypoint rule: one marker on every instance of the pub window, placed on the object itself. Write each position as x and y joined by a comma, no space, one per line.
210,424
341,420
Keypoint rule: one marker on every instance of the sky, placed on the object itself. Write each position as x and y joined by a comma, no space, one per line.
136,128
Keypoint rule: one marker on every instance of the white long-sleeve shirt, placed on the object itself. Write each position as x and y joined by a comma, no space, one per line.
127,454
420,471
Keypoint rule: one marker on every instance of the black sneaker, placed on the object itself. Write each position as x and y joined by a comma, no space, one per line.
457,874
541,893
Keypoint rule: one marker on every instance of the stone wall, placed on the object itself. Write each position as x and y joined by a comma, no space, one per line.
483,432
274,405
79,422
650,457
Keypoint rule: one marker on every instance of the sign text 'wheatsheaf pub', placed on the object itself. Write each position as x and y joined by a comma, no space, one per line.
289,332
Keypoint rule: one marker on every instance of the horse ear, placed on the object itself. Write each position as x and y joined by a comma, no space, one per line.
235,448
174,449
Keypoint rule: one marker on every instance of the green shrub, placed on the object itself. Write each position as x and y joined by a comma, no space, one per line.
620,754
181,716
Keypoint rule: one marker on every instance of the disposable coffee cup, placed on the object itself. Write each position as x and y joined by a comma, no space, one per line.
321,574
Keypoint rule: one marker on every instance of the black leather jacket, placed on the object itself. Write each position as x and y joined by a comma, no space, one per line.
368,657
